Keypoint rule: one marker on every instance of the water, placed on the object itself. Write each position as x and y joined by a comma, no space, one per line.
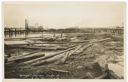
23,35
39,34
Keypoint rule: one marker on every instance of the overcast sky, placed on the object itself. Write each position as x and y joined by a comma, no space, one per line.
64,14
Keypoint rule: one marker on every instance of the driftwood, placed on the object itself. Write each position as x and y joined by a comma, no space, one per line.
62,71
26,57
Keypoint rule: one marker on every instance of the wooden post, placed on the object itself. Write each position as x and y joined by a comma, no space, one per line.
9,32
15,32
26,28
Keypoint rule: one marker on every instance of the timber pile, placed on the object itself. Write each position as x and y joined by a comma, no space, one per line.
61,56
49,56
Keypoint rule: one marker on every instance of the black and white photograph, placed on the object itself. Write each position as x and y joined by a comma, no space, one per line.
64,40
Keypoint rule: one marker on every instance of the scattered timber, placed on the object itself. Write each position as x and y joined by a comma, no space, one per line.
27,43
46,59
56,42
49,56
60,59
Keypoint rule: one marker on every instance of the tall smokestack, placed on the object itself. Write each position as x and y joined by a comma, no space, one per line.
26,28
26,25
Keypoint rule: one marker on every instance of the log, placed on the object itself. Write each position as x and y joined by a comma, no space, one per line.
77,48
37,47
48,61
84,48
64,58
62,71
26,57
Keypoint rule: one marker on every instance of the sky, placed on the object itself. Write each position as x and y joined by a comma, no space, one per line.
64,14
